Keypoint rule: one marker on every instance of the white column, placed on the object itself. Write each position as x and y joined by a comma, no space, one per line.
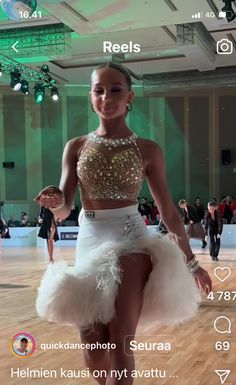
33,153
186,147
214,158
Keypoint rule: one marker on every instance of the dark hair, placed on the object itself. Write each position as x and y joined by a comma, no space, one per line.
182,202
212,204
119,68
23,339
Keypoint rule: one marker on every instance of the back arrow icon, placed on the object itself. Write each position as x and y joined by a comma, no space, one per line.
13,46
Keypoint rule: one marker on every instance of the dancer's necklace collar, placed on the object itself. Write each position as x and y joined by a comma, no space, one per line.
112,142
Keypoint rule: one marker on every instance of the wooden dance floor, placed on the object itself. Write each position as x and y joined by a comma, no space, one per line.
193,358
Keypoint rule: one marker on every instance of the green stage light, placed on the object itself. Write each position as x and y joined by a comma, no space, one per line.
44,68
39,93
25,87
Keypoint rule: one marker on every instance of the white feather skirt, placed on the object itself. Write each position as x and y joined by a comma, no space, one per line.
85,293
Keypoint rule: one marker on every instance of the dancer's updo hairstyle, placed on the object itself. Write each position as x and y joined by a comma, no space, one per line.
119,68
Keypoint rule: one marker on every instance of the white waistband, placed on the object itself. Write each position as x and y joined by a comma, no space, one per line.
112,213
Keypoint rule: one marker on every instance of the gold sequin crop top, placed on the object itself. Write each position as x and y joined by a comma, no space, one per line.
110,168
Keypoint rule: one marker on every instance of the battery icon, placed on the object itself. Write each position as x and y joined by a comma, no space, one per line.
222,14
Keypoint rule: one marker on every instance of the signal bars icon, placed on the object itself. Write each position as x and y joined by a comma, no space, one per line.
197,15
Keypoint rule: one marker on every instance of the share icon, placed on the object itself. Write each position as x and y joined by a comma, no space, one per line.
223,374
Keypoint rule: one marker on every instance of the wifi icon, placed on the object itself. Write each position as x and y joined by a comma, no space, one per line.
197,15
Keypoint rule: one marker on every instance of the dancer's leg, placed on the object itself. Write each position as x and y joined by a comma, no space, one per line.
135,272
212,246
97,359
217,247
51,242
50,249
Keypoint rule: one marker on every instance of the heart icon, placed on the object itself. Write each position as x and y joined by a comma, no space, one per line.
222,273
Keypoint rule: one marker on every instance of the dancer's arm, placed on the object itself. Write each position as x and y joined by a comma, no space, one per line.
68,182
69,179
157,182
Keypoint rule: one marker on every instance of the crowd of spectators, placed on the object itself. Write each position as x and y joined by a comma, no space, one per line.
24,221
226,208
148,211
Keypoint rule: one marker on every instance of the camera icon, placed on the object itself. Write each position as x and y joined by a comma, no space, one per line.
224,47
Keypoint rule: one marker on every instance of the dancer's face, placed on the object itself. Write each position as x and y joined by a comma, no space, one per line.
211,209
110,93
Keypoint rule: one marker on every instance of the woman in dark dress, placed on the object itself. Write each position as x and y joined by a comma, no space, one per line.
48,230
201,214
4,231
213,227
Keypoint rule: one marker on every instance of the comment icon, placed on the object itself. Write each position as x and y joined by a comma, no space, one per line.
222,325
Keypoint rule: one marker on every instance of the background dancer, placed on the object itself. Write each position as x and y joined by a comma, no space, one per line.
4,230
48,230
213,224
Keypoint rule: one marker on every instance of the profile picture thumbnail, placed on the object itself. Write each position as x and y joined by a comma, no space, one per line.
22,344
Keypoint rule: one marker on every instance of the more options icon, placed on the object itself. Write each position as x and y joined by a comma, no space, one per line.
224,47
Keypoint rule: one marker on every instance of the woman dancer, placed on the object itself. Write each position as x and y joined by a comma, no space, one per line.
4,230
122,275
48,230
213,224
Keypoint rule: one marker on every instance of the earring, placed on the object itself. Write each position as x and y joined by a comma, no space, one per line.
129,106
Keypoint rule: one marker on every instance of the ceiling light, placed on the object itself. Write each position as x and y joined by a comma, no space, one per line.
45,68
25,87
15,80
39,93
54,93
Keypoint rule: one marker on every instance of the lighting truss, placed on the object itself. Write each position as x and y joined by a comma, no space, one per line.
8,65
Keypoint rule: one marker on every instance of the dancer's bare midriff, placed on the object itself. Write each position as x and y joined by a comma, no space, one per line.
106,204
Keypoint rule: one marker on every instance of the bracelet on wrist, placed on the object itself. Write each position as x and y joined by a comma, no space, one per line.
191,260
194,268
193,264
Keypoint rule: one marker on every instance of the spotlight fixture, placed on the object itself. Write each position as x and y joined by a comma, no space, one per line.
15,80
54,93
52,82
0,70
230,14
44,68
39,93
25,87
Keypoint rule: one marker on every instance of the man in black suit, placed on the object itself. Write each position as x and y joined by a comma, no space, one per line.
190,215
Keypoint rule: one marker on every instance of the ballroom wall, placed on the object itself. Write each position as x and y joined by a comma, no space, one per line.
191,127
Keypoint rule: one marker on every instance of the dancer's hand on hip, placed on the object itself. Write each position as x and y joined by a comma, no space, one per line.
203,280
49,197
